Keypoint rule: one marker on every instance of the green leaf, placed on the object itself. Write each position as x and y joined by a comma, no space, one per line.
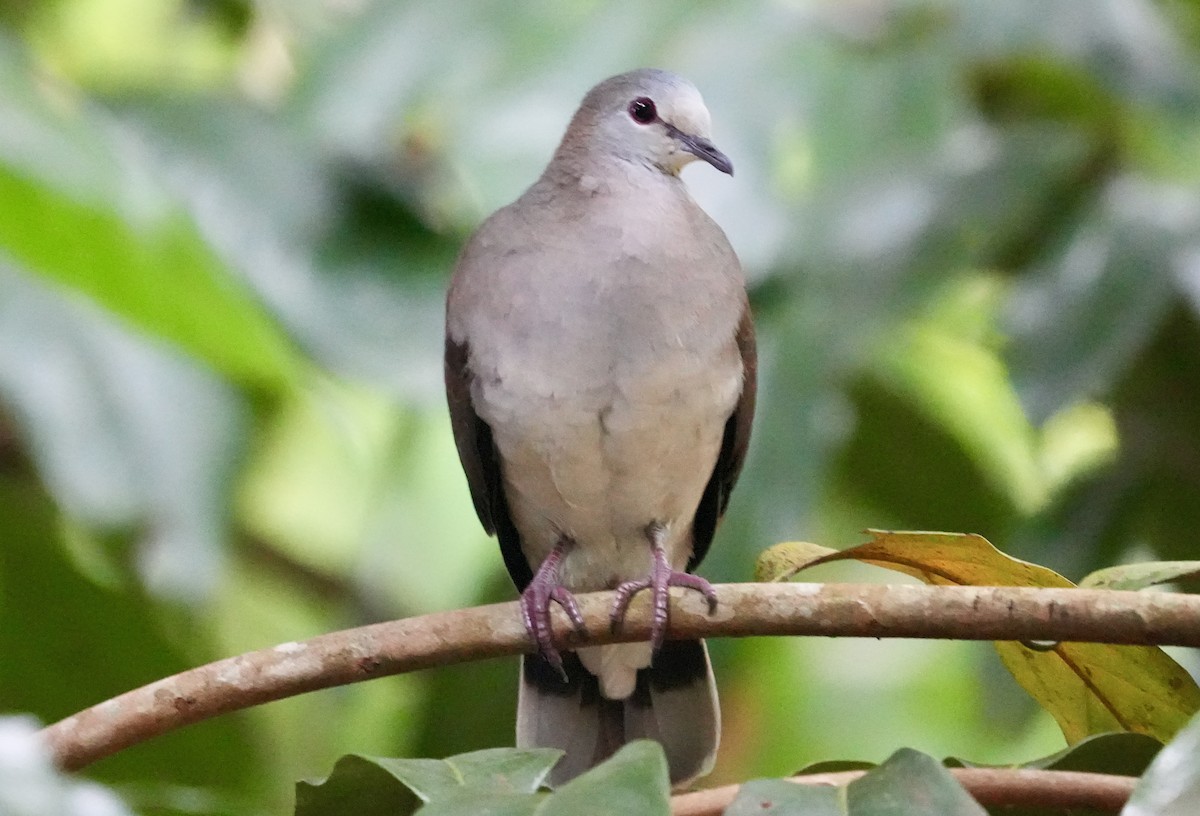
836,766
491,771
910,782
471,802
505,777
777,797
634,782
1171,786
1121,753
494,782
1140,576
358,786
1088,688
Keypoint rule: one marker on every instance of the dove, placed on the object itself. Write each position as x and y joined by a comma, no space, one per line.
600,373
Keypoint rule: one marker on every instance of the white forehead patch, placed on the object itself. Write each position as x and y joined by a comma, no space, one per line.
685,110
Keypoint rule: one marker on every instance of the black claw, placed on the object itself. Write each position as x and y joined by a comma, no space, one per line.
555,660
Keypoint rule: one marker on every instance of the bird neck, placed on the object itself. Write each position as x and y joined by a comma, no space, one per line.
602,173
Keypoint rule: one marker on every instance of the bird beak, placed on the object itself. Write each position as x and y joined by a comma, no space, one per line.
703,149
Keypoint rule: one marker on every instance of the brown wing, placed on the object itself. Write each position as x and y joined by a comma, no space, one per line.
481,462
733,448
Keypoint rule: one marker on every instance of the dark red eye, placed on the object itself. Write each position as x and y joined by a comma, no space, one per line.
642,110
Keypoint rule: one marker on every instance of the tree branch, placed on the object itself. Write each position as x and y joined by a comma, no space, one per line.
855,610
1025,787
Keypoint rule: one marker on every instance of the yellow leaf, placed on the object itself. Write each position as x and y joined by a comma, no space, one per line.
1088,688
948,559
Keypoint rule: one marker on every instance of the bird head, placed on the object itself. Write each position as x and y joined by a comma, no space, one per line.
650,117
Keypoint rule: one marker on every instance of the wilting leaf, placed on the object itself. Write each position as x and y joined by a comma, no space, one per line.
945,559
782,561
1088,688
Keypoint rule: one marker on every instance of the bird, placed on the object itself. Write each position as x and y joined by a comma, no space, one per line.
600,372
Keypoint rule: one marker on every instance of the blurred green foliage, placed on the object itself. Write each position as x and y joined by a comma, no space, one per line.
973,234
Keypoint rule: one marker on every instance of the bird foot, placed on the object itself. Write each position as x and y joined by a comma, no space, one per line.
662,577
543,591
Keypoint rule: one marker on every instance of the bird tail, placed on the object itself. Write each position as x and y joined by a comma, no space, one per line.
674,703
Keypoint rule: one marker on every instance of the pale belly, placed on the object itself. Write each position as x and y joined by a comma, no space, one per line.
599,477
601,466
